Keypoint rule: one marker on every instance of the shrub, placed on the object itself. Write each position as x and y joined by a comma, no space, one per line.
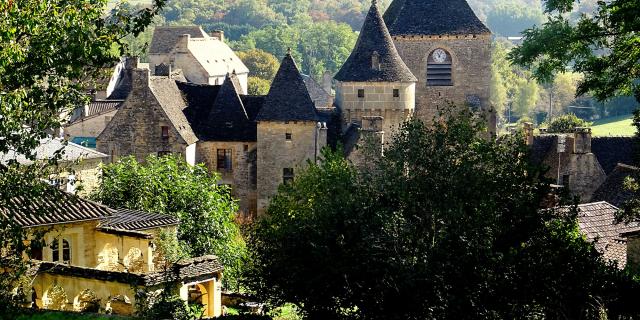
566,124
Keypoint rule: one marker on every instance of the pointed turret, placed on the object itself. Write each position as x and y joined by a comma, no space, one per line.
228,119
288,98
374,58
432,17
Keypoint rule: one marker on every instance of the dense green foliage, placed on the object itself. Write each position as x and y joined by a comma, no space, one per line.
566,124
445,226
48,52
603,46
192,194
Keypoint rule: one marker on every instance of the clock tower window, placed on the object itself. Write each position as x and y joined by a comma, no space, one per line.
439,68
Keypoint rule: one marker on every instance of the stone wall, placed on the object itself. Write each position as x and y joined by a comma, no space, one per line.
89,126
136,129
241,178
471,71
276,153
378,101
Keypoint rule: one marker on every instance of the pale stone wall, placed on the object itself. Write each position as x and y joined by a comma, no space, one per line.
633,253
276,153
242,176
136,129
471,70
89,126
378,101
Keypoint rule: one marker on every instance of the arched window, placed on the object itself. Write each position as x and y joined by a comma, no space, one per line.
439,68
63,256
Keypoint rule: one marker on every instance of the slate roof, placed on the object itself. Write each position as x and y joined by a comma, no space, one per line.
613,150
49,147
135,220
200,99
432,17
252,104
101,106
374,38
190,270
541,146
53,207
319,96
165,38
288,98
597,222
228,120
170,99
612,189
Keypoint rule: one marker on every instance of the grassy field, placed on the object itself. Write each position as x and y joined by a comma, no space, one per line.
616,126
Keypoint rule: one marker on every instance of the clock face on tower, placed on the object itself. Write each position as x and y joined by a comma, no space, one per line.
439,56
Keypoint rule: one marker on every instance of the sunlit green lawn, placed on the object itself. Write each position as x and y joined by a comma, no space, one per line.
615,126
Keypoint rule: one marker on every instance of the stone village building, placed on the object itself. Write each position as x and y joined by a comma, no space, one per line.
259,142
95,258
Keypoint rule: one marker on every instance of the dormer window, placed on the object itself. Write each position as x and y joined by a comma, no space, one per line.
375,61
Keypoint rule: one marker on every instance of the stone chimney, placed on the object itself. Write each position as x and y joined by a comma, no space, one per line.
182,46
582,140
131,63
140,79
218,34
528,133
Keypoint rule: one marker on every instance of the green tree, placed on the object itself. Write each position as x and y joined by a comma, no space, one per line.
258,86
525,96
190,193
445,225
603,46
261,64
49,51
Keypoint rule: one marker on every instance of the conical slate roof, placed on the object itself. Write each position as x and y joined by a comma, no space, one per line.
228,119
432,17
288,98
374,40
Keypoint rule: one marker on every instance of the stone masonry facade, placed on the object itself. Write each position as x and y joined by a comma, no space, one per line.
471,71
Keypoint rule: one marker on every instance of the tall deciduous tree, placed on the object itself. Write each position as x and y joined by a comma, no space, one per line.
604,46
49,50
190,193
446,225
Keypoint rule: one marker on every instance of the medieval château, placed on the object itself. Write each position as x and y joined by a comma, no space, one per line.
190,99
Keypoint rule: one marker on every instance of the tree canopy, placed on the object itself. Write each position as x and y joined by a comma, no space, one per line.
49,53
604,46
169,185
446,225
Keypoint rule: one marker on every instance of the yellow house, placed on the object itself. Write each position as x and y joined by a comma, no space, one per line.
97,259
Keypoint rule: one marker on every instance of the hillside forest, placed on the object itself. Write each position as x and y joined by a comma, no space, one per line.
321,34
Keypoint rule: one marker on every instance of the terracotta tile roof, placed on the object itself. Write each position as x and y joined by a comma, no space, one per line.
613,190
597,222
166,37
374,39
613,150
432,17
288,98
190,270
135,220
53,207
170,99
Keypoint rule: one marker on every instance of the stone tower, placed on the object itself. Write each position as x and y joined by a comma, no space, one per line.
374,81
448,48
289,133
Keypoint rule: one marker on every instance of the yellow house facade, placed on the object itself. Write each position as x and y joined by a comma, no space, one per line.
98,259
